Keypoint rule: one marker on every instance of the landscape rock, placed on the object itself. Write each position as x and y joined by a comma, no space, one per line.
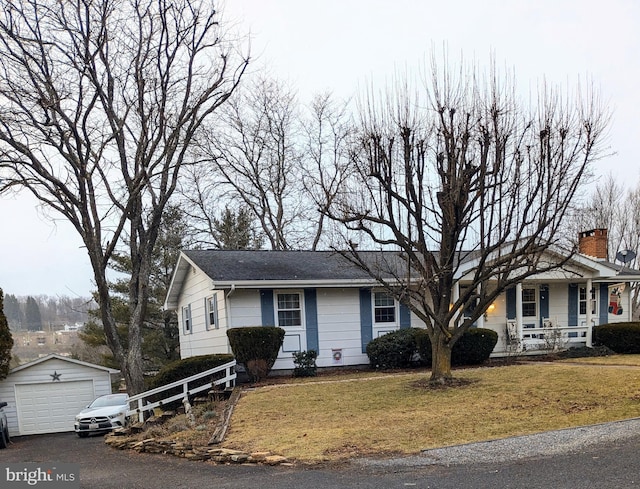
191,452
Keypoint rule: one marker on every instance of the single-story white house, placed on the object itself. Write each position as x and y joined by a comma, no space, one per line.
327,304
44,395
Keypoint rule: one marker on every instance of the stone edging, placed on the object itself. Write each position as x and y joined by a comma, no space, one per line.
191,452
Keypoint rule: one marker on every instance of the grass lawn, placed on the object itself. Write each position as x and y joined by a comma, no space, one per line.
628,360
331,418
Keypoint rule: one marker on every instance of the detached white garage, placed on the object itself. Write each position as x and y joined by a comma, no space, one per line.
44,395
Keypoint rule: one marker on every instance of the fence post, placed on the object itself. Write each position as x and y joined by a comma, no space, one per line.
140,412
227,374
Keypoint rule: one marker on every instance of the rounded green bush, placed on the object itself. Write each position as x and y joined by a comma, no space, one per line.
393,350
473,348
619,337
256,347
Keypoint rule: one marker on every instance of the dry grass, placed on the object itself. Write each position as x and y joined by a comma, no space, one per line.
178,428
361,414
628,360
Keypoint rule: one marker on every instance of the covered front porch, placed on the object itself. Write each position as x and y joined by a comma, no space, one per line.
538,316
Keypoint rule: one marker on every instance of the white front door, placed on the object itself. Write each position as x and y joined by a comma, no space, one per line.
289,309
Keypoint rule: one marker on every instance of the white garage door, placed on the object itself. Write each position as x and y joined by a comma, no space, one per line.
51,407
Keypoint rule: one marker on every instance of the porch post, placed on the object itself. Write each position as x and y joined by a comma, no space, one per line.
519,311
589,314
480,322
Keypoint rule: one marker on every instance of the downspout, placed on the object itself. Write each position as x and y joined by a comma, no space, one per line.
227,308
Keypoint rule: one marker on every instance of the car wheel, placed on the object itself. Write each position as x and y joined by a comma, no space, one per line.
4,438
83,435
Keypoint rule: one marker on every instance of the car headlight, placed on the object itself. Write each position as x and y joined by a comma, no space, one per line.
117,415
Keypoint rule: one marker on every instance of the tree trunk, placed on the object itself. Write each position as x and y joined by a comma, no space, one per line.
441,359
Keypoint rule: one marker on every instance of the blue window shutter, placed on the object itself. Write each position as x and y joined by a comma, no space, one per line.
604,304
311,319
267,309
511,302
544,302
366,319
405,317
572,307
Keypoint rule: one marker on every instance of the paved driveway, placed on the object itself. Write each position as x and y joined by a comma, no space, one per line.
102,467
612,463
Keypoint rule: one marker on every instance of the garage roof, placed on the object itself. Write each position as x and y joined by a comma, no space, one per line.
66,359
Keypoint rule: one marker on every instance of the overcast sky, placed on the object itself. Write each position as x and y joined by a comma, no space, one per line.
340,45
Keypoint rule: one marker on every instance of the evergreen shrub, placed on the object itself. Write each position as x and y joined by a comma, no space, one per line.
473,348
256,347
619,337
6,341
304,363
393,350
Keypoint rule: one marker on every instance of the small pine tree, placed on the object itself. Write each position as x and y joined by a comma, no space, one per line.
235,231
6,341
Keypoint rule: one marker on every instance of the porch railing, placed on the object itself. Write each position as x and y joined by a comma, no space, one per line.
549,336
227,378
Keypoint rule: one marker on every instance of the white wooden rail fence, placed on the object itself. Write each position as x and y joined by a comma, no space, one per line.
139,399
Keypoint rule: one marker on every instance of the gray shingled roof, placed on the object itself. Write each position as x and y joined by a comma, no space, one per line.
227,265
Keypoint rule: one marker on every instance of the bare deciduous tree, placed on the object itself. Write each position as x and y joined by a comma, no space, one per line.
277,160
467,175
327,134
258,159
101,102
617,209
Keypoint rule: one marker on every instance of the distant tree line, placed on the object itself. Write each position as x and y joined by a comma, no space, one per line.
43,312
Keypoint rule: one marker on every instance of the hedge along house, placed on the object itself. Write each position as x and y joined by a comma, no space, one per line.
325,303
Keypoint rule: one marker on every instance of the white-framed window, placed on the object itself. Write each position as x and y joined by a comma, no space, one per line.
211,312
289,309
187,325
384,308
584,298
529,302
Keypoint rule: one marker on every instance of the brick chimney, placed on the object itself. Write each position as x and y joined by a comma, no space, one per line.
593,243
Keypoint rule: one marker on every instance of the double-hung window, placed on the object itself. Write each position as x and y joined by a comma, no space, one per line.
529,302
211,311
586,300
186,319
384,308
289,309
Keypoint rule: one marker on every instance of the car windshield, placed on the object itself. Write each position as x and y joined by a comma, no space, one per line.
116,400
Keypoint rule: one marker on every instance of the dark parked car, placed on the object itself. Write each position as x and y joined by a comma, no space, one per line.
4,428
